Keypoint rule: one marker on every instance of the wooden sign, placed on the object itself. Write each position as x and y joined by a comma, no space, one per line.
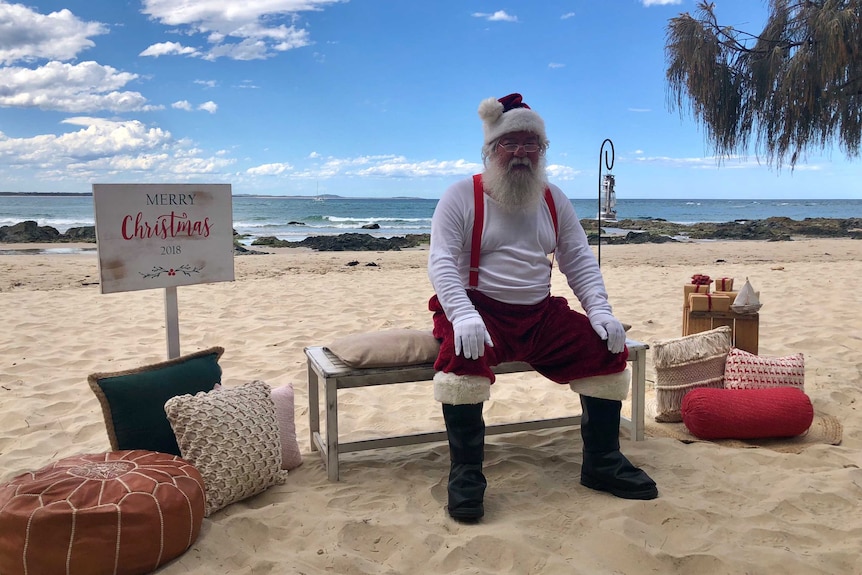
163,235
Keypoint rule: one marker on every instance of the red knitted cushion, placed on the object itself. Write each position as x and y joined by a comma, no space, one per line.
710,413
117,513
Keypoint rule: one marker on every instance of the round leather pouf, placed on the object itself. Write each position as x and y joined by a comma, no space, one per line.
122,512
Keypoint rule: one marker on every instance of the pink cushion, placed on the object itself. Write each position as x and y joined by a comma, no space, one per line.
747,413
744,370
284,412
119,513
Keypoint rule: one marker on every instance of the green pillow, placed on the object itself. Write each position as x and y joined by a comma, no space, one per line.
133,401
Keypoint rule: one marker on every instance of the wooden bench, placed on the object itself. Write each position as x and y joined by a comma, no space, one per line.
324,366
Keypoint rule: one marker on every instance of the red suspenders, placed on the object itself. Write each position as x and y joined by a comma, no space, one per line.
479,223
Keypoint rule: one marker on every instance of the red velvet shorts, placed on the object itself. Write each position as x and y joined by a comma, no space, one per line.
557,341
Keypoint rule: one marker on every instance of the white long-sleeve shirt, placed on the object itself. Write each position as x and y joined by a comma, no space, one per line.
514,266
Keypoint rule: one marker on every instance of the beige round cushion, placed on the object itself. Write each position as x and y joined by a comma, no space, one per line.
123,512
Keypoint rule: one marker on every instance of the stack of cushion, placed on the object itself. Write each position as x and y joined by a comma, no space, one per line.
721,392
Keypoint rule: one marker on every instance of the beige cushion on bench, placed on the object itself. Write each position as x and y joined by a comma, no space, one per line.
387,348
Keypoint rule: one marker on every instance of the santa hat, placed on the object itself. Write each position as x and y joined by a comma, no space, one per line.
509,114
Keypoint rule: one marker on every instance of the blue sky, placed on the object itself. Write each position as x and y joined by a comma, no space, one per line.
360,98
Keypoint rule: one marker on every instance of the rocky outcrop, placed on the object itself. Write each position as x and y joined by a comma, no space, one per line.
640,232
347,242
31,232
768,229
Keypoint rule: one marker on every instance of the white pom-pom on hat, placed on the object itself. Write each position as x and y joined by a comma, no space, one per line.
490,110
497,120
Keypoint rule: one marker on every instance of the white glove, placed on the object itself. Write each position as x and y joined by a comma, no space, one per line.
471,337
610,329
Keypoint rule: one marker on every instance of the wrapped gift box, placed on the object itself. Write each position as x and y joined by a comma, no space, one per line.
709,302
731,294
723,284
689,289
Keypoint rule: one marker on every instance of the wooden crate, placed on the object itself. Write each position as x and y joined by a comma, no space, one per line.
745,328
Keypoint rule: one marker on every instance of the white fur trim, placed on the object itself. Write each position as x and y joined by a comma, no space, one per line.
496,123
614,386
461,389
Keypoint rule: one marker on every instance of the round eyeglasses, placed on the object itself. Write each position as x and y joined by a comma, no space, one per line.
512,148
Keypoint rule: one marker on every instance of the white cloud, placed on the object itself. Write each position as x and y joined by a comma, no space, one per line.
207,83
104,148
84,87
98,138
707,163
554,65
169,48
649,3
209,106
498,16
567,15
639,110
561,173
269,169
26,35
399,167
248,49
248,30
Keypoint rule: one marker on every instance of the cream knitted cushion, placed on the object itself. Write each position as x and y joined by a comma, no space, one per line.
232,438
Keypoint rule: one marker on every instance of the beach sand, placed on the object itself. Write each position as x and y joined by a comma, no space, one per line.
720,509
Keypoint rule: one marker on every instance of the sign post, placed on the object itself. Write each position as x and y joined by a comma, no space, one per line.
163,236
172,322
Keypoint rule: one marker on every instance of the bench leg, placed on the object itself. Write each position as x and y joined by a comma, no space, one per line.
313,406
638,394
332,429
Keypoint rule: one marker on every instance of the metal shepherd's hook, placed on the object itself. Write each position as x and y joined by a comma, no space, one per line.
609,164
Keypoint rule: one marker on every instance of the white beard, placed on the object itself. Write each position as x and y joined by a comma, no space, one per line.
515,189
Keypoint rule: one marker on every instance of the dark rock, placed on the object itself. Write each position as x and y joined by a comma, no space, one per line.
296,223
371,227
346,242
353,263
28,232
777,228
82,234
241,250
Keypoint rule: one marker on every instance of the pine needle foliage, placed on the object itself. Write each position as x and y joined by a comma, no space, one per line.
795,86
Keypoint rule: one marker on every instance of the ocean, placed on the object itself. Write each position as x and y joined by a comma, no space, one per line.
293,219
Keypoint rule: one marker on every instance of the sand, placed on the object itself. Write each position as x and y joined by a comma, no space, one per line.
720,510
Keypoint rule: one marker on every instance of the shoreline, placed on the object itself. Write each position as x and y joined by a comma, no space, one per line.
711,257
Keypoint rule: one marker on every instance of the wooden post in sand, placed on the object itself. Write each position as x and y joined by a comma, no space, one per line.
172,322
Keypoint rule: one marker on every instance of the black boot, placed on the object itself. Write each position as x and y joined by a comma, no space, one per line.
605,468
466,430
